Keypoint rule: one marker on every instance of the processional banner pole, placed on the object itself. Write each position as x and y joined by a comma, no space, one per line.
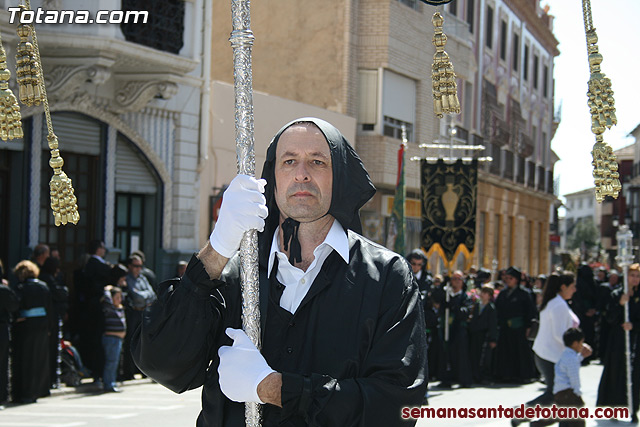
242,41
624,238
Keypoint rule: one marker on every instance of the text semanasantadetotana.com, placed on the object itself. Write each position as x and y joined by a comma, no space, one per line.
532,412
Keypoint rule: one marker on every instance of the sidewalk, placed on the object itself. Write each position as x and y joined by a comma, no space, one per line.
87,386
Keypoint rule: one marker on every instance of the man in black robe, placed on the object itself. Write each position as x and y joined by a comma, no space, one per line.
346,347
483,335
514,358
457,365
613,383
605,290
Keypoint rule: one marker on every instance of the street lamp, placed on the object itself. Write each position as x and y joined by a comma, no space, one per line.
624,236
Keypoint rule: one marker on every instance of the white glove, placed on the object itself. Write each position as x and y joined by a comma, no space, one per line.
241,368
243,208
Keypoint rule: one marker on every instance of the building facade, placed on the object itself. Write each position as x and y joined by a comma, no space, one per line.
579,207
125,102
371,60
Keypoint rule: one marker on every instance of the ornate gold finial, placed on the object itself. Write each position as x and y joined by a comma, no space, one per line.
27,70
445,88
10,117
603,116
63,201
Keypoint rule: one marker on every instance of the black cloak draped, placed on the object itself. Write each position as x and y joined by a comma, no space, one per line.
354,351
612,390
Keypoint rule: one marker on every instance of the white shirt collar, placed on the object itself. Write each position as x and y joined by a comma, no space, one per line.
99,258
336,238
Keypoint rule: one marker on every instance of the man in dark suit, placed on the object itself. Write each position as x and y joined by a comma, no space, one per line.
97,274
418,263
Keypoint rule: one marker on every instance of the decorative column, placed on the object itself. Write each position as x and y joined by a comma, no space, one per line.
36,170
110,187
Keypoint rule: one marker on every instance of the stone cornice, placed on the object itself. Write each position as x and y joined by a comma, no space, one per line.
161,62
535,24
133,95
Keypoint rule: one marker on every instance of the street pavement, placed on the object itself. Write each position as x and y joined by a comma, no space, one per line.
509,396
145,403
141,403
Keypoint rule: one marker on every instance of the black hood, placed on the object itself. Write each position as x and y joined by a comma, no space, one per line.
352,187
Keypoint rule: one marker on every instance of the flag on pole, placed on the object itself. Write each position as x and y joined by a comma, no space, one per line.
397,226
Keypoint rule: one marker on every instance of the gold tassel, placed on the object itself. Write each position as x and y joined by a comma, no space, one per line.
445,88
603,115
27,72
63,201
10,117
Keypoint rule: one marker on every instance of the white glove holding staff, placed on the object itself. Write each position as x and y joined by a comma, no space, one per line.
243,208
242,367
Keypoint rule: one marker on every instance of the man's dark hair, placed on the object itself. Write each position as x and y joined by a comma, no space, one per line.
50,266
572,335
39,250
133,258
117,271
416,254
94,245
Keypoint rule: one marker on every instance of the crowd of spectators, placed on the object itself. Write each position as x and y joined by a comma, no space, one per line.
507,327
58,330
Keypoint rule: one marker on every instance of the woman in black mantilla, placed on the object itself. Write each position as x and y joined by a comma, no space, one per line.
30,340
612,390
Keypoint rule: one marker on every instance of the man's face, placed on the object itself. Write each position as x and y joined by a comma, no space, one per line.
456,282
511,281
485,297
135,267
303,172
416,265
614,279
102,250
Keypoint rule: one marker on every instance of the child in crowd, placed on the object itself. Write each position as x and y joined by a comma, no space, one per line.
115,328
566,385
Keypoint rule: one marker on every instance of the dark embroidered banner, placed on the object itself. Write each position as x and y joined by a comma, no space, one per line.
449,194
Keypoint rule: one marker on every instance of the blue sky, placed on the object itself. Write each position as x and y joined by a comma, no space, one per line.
617,24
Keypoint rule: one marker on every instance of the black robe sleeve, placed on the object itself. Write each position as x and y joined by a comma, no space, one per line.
392,376
184,320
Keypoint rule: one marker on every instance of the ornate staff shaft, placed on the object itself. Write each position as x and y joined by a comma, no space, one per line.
241,41
624,237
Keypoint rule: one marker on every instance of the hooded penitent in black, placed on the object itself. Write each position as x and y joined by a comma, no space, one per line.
354,351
